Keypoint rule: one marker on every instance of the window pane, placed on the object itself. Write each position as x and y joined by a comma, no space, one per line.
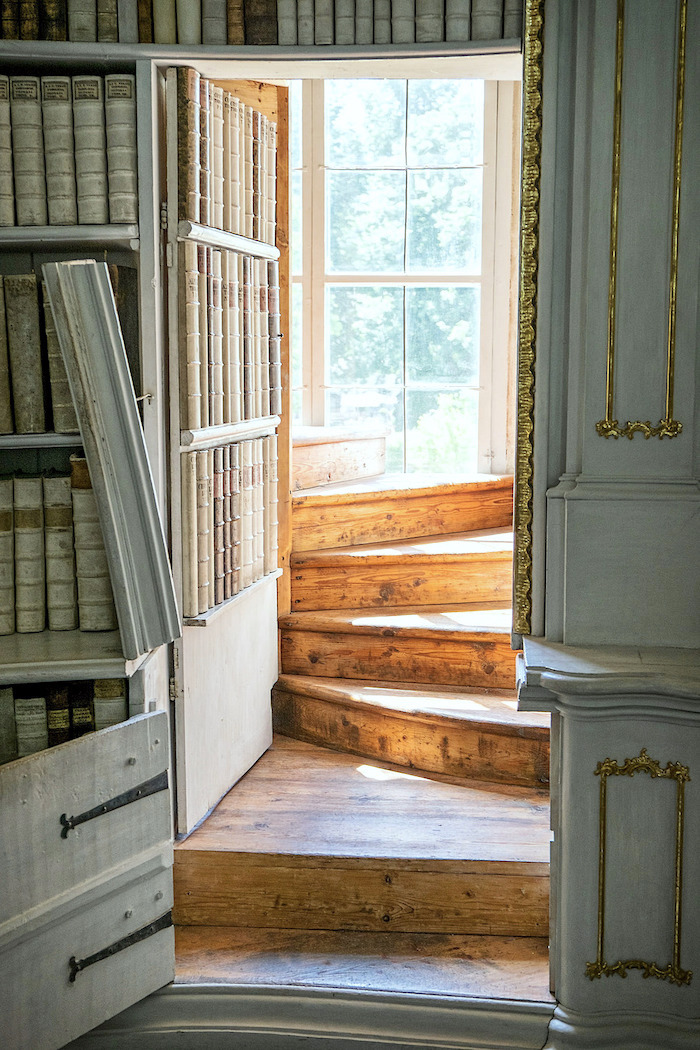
297,336
441,432
445,122
365,214
442,334
295,123
297,228
371,408
365,123
444,220
365,335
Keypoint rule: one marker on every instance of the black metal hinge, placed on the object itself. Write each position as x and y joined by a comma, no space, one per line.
76,965
149,787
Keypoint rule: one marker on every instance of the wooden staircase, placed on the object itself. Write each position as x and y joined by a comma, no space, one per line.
434,846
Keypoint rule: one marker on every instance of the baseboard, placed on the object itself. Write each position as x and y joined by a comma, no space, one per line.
572,1031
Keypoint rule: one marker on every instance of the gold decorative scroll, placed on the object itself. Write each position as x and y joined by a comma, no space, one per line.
529,231
681,774
667,426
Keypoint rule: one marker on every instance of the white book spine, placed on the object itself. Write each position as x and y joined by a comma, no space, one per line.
260,125
245,297
248,164
28,151
65,420
190,564
31,725
193,362
214,22
24,344
247,511
7,425
403,21
225,337
512,19
61,594
204,567
235,485
216,393
82,21
227,530
275,333
128,21
458,20
120,128
344,21
264,337
59,157
96,610
8,727
271,181
30,603
305,21
164,22
235,184
7,193
90,150
430,21
487,20
286,22
234,327
210,524
364,22
382,21
110,702
107,22
203,335
219,546
7,557
227,208
323,22
258,511
189,22
217,157
257,338
271,498
205,151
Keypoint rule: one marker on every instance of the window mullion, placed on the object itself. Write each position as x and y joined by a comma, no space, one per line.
314,255
486,313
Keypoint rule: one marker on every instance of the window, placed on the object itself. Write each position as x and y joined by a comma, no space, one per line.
395,230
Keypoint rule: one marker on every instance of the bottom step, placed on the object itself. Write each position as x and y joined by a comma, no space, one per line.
424,964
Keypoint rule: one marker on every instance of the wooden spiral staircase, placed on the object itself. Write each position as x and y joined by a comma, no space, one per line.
396,836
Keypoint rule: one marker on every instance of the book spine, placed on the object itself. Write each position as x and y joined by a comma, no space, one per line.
235,22
7,192
217,157
257,174
59,158
31,724
257,338
57,713
145,14
28,151
344,21
90,150
188,94
487,20
235,483
53,21
245,298
107,22
286,22
9,19
382,21
120,129
65,420
248,165
214,22
403,21
164,22
204,567
7,557
364,22
271,498
82,21
29,19
190,564
271,182
512,19
24,343
430,20
247,514
210,520
128,21
189,330
61,596
241,168
274,322
30,604
216,363
260,21
263,308
258,511
226,162
110,702
96,610
225,339
226,514
235,165
234,323
305,22
219,545
203,266
458,20
323,22
204,152
189,21
6,422
82,708
8,728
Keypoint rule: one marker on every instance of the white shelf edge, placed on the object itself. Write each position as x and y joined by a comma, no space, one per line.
204,619
124,235
210,437
234,242
58,663
47,440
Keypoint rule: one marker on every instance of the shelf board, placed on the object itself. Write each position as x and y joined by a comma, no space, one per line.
234,242
50,656
210,437
204,619
56,238
48,440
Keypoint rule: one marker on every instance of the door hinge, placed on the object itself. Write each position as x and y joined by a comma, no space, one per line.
169,255
164,216
173,689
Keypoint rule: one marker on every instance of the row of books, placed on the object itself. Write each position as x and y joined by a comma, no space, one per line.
43,714
227,159
229,520
53,564
230,337
68,150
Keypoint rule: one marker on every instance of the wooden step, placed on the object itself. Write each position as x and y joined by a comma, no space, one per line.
399,506
446,645
462,733
312,839
329,455
412,963
470,567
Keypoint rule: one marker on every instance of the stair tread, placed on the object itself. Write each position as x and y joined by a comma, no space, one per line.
416,963
311,805
447,621
399,485
482,543
493,706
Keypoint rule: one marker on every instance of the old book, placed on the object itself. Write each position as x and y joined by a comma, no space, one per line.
323,22
30,720
57,713
28,151
217,156
30,602
214,22
107,22
65,420
188,93
7,192
344,13
210,525
247,149
271,182
235,483
9,19
457,19
190,336
145,11
82,708
24,343
128,21
258,153
8,729
258,511
6,422
96,610
226,162
512,19
286,22
7,556
270,502
120,128
275,333
262,305
90,150
219,546
430,21
189,21
82,21
164,22
226,513
190,564
261,21
305,22
487,20
110,702
204,152
29,19
364,22
203,286
247,514
125,284
53,21
225,338
61,593
382,21
403,21
234,391
241,168
245,298
257,346
204,566
59,157
235,22
215,342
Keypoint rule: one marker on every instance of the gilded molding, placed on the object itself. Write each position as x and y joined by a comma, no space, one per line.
529,236
672,771
667,426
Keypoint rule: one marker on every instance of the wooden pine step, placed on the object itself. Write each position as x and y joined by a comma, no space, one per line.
458,645
312,839
412,963
329,455
397,507
463,733
469,567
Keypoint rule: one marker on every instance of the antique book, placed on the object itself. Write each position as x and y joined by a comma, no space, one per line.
29,19
215,341
188,181
145,14
512,19
164,22
204,152
234,392
120,129
57,713
24,344
226,165
203,266
247,514
262,309
59,157
110,702
7,191
61,593
30,720
9,19
214,22
90,150
235,22
28,151
430,21
364,22
226,514
53,23
225,339
323,22
189,333
96,610
275,337
128,21
30,601
7,556
245,297
209,453
258,511
65,420
286,22
382,21
219,546
305,22
255,326
344,30
257,173
403,21
107,22
82,708
8,729
204,566
6,422
217,157
82,21
235,485
189,21
190,541
248,119
271,181
457,19
260,21
270,502
487,20
241,168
